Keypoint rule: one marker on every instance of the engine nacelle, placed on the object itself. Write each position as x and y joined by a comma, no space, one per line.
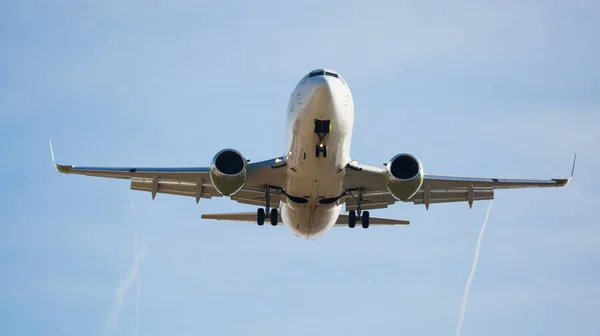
228,171
404,175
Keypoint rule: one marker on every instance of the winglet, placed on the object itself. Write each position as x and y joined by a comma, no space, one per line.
564,182
59,168
51,151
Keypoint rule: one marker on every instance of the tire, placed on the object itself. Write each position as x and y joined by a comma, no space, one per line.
260,216
324,151
365,219
274,217
352,219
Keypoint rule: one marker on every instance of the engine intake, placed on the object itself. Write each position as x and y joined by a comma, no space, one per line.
404,174
404,167
228,171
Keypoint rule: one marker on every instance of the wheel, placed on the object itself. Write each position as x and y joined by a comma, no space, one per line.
317,150
274,217
352,219
324,151
260,216
365,219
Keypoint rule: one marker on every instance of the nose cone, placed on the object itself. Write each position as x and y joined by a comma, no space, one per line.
321,99
321,85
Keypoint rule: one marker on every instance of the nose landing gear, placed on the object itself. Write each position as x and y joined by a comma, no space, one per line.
321,148
322,129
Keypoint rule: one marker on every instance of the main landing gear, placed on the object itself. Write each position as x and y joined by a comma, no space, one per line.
364,218
273,216
358,214
261,213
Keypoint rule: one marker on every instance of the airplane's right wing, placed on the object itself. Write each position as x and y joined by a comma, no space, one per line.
191,181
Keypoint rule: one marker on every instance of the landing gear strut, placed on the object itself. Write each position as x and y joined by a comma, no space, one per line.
261,213
362,215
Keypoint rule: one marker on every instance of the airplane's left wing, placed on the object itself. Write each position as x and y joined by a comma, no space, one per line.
436,188
190,181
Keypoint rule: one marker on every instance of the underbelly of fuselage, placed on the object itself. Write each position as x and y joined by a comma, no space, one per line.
309,220
315,177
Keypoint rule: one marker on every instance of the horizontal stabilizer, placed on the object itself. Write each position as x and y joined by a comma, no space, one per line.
234,217
342,219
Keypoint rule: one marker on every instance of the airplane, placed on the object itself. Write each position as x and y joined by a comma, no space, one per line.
305,188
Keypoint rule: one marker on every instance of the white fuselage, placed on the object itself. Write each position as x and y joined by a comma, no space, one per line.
314,183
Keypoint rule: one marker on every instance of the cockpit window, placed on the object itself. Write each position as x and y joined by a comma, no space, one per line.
316,73
321,73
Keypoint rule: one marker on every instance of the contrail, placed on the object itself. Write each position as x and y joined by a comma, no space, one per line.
125,285
465,298
137,280
138,296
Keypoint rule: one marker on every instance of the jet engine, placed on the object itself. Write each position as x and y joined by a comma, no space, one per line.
228,171
404,175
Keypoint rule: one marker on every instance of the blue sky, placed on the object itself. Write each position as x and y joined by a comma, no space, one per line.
505,88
